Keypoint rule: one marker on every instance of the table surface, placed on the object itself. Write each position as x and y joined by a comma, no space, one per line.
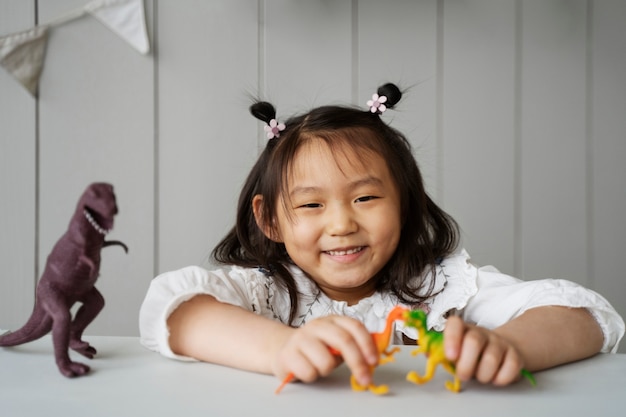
128,380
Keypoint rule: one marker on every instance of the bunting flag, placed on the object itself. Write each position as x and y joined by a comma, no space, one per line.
22,54
124,17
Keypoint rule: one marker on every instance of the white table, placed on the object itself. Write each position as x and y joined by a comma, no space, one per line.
128,380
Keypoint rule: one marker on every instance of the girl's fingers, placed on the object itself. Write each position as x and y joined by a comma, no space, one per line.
490,363
357,348
312,350
319,360
361,337
453,338
510,370
480,353
472,348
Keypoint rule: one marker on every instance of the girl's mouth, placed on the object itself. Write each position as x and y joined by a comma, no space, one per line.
344,252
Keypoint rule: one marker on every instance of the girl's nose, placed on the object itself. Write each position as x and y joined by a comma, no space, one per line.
340,221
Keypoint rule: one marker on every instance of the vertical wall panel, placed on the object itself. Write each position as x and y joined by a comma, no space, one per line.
397,42
207,64
553,204
96,124
17,181
608,151
478,137
307,54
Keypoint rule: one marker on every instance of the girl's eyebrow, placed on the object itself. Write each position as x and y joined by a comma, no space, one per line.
303,190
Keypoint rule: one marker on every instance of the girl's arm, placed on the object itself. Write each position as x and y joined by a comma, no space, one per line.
211,331
540,338
553,335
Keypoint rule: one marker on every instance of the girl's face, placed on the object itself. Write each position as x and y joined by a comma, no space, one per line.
341,220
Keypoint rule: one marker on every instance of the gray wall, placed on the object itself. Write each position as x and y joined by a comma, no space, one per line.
516,110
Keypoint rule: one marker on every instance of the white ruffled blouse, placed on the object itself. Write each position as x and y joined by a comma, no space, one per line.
482,296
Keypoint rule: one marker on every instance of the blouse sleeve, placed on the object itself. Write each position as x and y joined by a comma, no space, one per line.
240,287
501,298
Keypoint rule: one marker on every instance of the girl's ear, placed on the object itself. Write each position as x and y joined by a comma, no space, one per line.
269,230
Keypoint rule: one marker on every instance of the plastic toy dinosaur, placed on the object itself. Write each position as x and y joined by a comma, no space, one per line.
71,271
431,344
382,342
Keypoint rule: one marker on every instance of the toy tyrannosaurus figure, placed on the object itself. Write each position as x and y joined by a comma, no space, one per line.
71,271
431,344
382,342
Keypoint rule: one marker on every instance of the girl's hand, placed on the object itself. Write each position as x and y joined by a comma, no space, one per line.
481,353
307,355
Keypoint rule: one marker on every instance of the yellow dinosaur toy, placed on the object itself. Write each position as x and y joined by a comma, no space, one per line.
431,344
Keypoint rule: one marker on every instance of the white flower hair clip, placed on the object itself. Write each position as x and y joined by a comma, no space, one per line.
376,104
273,129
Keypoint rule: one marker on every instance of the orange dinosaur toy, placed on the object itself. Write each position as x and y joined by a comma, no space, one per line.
382,342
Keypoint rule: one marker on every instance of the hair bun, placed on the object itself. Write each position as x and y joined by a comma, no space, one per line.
263,111
392,92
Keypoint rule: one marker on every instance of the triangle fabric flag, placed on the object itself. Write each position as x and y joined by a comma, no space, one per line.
22,55
124,17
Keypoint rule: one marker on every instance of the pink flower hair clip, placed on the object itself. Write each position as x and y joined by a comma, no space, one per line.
273,129
376,104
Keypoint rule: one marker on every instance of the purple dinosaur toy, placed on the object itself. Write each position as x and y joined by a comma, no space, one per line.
71,271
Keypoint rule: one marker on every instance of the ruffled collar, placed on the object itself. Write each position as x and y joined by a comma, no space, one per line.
455,274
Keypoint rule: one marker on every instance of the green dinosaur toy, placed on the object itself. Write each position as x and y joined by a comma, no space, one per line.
431,344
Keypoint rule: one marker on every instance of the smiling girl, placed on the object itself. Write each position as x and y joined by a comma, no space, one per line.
333,230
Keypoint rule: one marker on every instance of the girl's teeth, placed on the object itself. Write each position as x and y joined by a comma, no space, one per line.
344,252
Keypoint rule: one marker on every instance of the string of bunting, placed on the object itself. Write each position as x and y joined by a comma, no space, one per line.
22,54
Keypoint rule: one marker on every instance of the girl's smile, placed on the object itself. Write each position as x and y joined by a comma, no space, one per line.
340,222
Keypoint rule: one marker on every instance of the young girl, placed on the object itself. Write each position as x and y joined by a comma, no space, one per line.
333,230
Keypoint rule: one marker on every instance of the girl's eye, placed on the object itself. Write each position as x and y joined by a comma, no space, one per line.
366,198
309,205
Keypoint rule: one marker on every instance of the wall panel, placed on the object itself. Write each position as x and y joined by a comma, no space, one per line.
306,54
207,66
397,42
478,137
608,151
553,140
18,158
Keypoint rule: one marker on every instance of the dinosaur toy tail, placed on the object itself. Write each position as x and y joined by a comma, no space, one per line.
290,376
36,327
529,376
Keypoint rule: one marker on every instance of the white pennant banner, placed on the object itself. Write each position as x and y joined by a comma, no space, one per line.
22,54
124,17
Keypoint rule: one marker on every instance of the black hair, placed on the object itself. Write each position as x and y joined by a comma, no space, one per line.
428,233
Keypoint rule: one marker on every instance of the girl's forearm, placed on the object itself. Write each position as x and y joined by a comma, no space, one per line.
208,330
551,336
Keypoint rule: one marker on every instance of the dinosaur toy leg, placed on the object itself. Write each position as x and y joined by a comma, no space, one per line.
385,357
58,308
93,303
376,389
415,378
431,365
454,385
